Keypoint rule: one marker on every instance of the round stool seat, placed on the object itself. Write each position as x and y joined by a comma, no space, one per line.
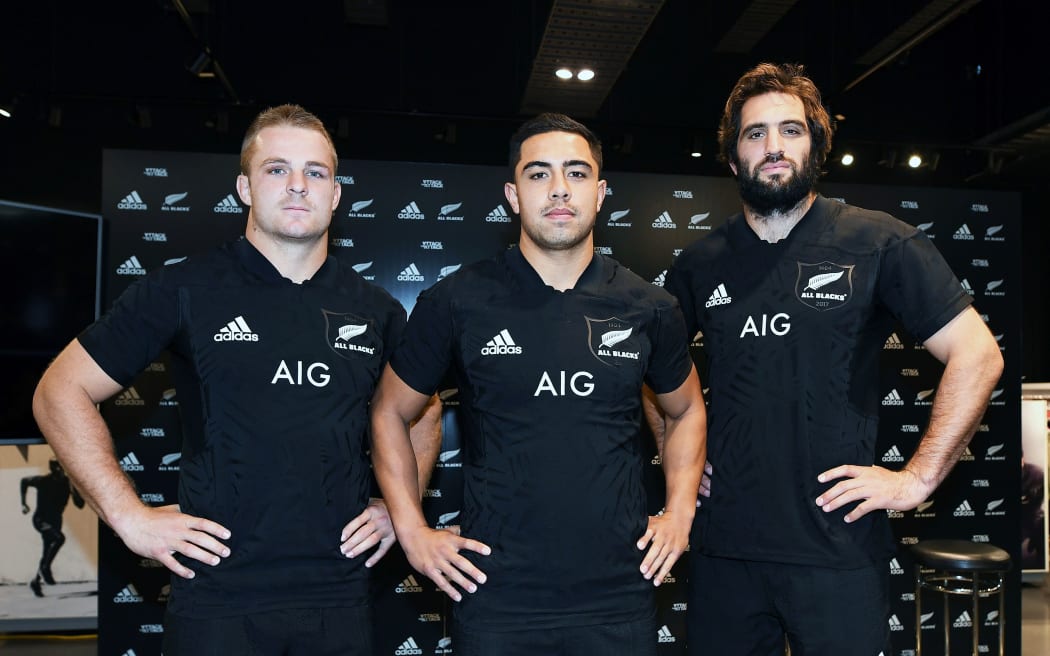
961,555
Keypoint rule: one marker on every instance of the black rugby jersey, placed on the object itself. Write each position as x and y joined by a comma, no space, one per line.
274,380
792,332
550,384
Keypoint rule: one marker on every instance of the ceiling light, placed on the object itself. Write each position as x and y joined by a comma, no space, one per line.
585,75
695,153
915,161
5,112
563,74
847,159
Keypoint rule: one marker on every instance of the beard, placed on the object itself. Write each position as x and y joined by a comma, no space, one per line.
776,196
559,238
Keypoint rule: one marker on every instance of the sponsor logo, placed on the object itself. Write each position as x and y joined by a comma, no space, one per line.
430,617
156,367
130,463
664,222
410,274
408,585
128,595
154,236
174,260
992,288
925,227
501,344
657,460
909,539
679,606
153,172
995,398
342,242
411,212
149,563
718,297
448,459
824,286
670,579
356,207
444,646
964,510
361,267
909,428
963,233
340,329
497,215
979,207
675,252
316,374
925,397
924,618
132,202
236,331
447,519
895,568
614,219
562,384
779,325
170,201
967,455
344,179
170,462
228,205
963,621
893,455
992,618
979,537
408,648
151,432
432,245
151,497
966,286
608,191
696,222
129,397
604,250
131,267
682,193
167,398
894,514
893,398
995,509
445,213
909,204
991,233
893,343
981,482
922,511
979,263
995,453
151,628
664,634
660,279
432,493
612,340
432,184
447,271
909,372
895,624
983,428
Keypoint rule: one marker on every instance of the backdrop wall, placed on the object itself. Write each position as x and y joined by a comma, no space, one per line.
406,225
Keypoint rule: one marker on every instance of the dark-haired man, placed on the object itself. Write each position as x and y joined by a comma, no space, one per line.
550,343
274,513
795,297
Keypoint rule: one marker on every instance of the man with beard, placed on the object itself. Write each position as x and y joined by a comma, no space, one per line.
795,297
550,343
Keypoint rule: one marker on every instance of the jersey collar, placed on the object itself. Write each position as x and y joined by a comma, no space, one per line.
599,271
813,221
257,264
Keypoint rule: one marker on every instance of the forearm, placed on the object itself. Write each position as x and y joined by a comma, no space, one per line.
684,453
397,471
654,418
425,435
961,399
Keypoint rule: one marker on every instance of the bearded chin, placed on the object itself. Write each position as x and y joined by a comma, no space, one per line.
766,198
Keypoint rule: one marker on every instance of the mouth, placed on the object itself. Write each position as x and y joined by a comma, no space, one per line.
559,213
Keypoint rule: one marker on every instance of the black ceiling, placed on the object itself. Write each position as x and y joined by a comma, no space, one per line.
446,81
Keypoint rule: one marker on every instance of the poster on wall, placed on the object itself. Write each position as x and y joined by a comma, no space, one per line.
1035,419
49,568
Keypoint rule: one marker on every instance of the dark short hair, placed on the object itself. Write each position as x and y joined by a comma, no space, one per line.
550,122
776,78
283,116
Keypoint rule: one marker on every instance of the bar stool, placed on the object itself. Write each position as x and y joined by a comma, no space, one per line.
959,567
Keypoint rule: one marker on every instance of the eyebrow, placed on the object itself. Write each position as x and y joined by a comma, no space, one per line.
281,160
790,121
566,164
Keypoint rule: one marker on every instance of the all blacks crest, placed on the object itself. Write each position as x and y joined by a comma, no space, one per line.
824,286
613,341
350,336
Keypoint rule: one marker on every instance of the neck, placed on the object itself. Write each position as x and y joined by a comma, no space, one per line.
559,269
775,226
295,260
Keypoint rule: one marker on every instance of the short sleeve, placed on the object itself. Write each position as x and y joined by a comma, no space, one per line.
139,326
669,364
677,283
394,330
918,287
423,355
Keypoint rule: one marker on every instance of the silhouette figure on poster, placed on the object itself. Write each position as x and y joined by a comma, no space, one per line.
52,495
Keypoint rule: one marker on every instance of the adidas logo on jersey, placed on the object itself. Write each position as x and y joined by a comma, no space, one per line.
664,634
130,463
893,343
893,398
228,205
131,267
498,215
129,595
132,202
410,274
236,331
408,648
129,397
411,212
664,222
408,585
501,344
963,233
893,455
718,297
964,510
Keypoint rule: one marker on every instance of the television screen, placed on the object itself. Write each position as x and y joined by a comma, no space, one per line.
50,270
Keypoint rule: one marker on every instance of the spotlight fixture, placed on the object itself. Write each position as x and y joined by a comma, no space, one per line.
563,74
915,161
696,153
5,112
585,75
847,159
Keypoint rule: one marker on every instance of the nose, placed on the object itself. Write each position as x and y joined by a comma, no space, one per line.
559,187
774,145
297,183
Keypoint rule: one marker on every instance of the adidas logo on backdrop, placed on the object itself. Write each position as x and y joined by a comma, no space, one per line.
498,215
131,267
228,205
411,212
410,274
132,202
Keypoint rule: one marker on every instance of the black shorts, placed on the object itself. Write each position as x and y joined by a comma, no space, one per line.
746,608
292,632
637,638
